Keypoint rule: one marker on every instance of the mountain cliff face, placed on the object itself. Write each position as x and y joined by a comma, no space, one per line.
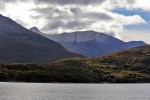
20,45
91,43
88,43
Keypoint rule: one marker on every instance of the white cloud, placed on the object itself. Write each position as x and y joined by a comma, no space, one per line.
128,20
143,4
127,4
55,16
140,35
77,18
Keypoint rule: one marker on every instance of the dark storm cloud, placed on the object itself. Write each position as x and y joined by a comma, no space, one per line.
68,2
77,12
63,20
99,16
78,24
2,6
90,15
75,24
49,11
53,25
74,18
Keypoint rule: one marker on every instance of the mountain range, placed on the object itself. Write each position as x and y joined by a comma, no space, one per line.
20,45
90,43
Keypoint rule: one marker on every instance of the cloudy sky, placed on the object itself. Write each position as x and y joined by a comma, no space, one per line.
125,19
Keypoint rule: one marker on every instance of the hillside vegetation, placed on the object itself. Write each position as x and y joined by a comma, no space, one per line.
126,66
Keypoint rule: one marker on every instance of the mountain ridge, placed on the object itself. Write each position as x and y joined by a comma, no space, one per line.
20,45
91,43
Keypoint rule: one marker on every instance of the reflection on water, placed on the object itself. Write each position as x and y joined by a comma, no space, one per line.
39,91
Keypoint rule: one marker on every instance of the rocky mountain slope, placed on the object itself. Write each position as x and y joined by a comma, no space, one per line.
20,45
90,43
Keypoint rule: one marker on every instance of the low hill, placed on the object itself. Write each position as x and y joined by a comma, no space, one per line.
126,66
135,59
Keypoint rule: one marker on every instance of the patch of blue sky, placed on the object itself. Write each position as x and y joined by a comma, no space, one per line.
145,15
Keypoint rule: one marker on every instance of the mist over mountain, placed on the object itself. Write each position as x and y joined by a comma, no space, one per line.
91,43
20,45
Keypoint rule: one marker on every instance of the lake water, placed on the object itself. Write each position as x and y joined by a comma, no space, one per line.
44,91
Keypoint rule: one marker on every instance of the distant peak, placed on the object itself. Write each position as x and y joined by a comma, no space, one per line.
36,30
137,42
2,16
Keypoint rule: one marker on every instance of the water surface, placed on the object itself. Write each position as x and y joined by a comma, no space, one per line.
44,91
